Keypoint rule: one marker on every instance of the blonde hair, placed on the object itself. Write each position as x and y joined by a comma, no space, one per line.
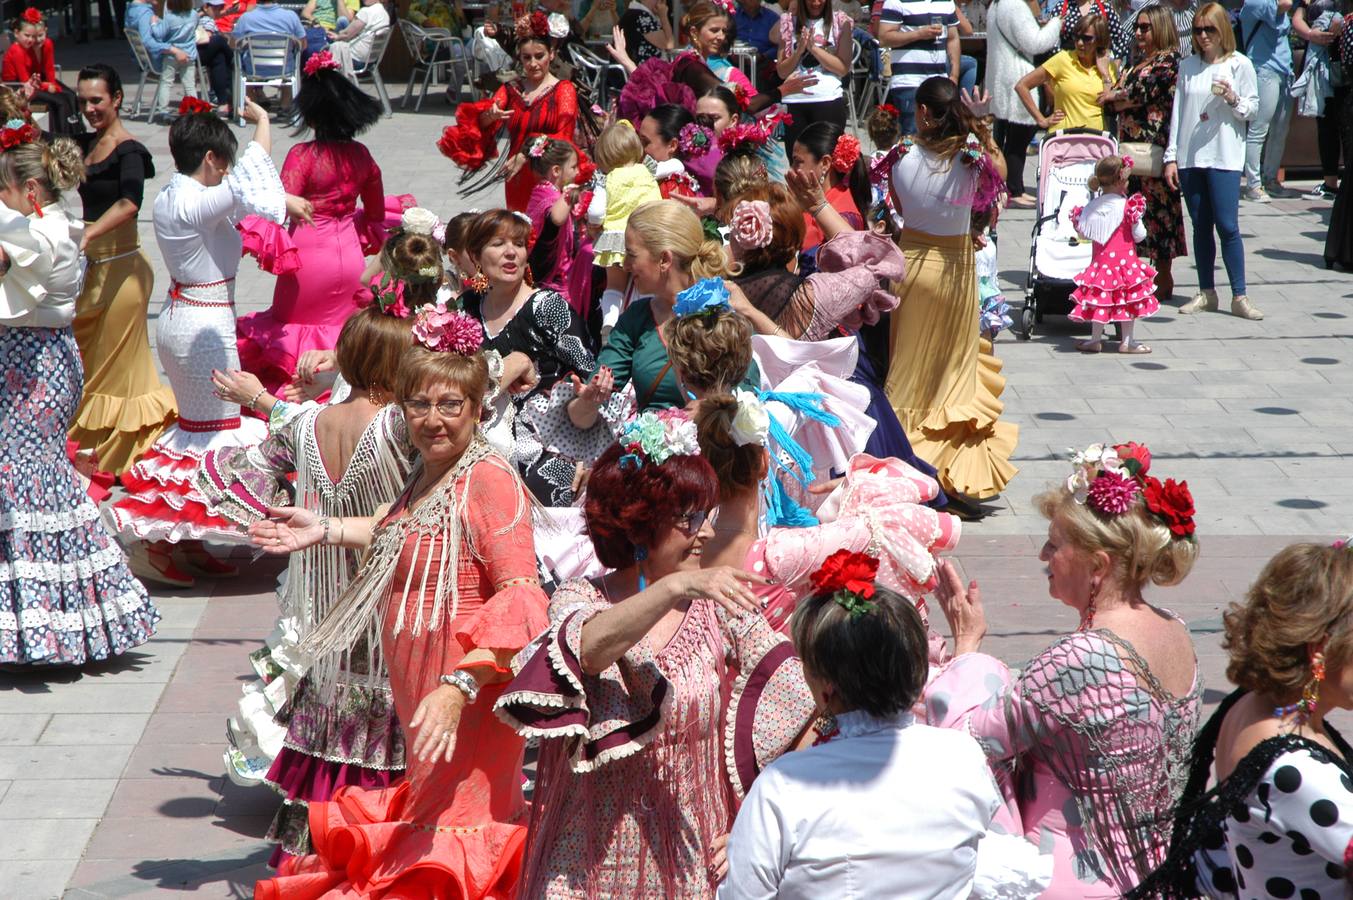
13,106
1215,14
57,167
618,145
666,225
1303,596
733,175
420,367
1164,36
1108,172
1140,547
712,352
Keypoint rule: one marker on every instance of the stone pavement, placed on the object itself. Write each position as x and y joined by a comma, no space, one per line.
111,778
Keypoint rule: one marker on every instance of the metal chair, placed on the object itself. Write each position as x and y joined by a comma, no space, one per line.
432,51
149,74
380,41
264,60
595,71
852,76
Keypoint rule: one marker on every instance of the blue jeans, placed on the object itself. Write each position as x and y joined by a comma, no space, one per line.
967,73
1213,199
904,100
1266,136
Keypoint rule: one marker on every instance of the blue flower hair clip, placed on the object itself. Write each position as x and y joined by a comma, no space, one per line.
706,297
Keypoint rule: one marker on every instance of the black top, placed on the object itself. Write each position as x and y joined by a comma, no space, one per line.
636,22
122,176
546,330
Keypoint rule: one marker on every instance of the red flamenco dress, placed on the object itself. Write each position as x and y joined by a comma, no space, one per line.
457,829
318,266
554,114
1116,286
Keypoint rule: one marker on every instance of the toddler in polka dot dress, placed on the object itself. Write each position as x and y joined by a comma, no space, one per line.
1116,286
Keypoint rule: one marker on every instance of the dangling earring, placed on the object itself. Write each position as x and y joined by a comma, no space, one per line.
641,554
1089,621
479,282
530,279
375,397
1310,694
33,200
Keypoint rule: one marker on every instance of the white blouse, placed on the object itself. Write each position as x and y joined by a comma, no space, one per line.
195,224
45,272
1206,132
890,808
934,195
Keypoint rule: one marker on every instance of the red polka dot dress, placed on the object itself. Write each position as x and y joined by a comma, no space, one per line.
1116,286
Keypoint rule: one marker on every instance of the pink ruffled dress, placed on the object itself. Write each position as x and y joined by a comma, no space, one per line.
318,267
1116,286
562,249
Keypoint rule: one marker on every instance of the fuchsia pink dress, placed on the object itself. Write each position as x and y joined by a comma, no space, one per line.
562,242
318,267
1116,286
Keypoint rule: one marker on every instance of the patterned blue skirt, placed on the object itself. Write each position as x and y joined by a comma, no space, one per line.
66,594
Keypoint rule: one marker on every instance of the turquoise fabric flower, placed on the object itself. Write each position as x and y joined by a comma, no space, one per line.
702,298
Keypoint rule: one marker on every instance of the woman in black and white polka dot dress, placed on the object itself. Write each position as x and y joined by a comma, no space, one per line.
1280,818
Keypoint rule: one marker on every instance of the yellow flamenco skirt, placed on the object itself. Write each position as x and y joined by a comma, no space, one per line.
125,406
943,380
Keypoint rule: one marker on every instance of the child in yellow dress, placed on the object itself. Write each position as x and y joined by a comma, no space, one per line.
629,185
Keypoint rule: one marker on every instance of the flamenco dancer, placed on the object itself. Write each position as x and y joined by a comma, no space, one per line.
195,216
1116,286
66,594
320,257
538,103
448,595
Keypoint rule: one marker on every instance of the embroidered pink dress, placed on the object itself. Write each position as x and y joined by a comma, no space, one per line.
1116,286
318,267
633,782
561,239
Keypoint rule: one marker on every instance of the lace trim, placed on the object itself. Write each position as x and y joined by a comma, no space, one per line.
63,572
518,582
79,621
34,522
462,829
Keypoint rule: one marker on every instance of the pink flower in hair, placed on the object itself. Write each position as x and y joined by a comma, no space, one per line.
444,330
1112,492
750,227
319,62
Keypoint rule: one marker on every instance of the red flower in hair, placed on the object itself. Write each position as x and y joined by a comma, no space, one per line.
32,16
540,24
740,94
845,570
1136,458
13,137
846,153
1172,502
190,105
889,109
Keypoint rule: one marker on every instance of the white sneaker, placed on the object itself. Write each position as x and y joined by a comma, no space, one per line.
1255,195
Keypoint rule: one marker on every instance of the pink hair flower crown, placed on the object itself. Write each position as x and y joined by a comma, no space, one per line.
320,61
727,7
1128,163
750,227
1110,479
447,330
535,148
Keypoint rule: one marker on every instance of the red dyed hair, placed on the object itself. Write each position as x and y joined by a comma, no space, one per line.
630,507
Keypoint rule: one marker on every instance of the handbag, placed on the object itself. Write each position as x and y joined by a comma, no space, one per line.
1148,159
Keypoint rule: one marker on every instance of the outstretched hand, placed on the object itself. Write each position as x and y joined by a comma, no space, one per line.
598,388
286,530
962,608
978,101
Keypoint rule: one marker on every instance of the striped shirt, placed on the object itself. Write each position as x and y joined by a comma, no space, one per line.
1183,21
914,63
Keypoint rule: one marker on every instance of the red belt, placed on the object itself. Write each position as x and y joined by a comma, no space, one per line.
214,425
176,293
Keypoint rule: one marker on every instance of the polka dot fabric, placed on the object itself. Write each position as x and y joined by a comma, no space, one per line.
1289,838
1117,286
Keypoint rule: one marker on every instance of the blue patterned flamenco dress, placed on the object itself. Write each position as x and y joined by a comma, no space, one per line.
66,594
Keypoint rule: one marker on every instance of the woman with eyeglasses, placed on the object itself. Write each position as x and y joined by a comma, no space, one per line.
659,690
1079,80
1215,97
447,596
1144,99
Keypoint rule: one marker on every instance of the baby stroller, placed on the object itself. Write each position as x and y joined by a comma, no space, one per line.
1066,161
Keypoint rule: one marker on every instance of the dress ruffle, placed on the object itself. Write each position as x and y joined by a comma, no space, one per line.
510,620
465,143
363,849
271,348
650,85
1115,291
269,243
120,429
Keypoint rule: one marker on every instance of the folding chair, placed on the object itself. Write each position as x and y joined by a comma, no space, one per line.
264,60
432,50
380,41
595,71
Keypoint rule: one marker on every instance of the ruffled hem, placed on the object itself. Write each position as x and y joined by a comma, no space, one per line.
270,244
357,726
119,429
968,445
464,143
650,85
362,848
509,621
270,349
1106,308
609,249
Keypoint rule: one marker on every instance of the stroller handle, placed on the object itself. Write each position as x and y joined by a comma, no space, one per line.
1082,131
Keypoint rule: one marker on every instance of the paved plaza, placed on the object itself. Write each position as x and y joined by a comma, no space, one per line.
111,779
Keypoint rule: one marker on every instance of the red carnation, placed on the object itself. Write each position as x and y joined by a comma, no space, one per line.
32,16
1171,501
848,571
1136,458
190,105
540,24
13,137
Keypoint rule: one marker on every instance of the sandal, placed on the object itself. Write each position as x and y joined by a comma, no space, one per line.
1134,347
1089,346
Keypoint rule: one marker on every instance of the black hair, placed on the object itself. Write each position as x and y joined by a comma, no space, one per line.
555,153
670,119
335,108
727,98
193,135
102,72
819,139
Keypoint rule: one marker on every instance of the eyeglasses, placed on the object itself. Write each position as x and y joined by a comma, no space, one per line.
1088,38
1205,29
691,522
1143,27
418,409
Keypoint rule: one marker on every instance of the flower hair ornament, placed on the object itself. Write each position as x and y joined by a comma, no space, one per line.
556,26
706,297
751,421
16,132
849,578
889,109
1344,543
536,25
192,105
741,96
535,147
1128,164
417,220
319,62
726,6
750,227
387,292
655,437
1109,479
990,186
846,152
32,16
694,140
447,330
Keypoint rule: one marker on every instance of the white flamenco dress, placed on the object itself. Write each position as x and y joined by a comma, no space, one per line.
195,333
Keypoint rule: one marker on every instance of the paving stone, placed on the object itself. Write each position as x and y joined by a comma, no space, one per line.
63,762
85,798
44,839
95,728
36,879
22,729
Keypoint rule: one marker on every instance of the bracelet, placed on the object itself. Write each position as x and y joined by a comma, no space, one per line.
464,682
261,392
325,522
817,208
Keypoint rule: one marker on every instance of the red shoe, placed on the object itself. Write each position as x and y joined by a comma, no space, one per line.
198,561
156,566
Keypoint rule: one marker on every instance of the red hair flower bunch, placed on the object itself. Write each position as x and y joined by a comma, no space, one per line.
849,578
845,154
32,15
16,132
320,61
743,136
190,105
388,294
1110,478
740,94
889,109
537,25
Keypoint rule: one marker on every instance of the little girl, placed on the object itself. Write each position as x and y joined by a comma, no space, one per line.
178,29
1116,286
994,311
553,234
629,185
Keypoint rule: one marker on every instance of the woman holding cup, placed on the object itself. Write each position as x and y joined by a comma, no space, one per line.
1216,95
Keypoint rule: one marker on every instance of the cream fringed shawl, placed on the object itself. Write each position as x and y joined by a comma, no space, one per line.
358,613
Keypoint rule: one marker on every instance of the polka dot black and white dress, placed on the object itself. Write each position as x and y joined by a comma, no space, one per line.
1287,838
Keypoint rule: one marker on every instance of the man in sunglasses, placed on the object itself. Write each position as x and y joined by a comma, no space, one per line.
1264,30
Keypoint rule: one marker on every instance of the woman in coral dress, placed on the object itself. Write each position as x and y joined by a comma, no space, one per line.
447,596
320,257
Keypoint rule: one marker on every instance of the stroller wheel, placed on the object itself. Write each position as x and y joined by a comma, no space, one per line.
1026,321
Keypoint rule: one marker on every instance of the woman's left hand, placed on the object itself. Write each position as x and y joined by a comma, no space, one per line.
737,299
962,608
300,209
234,386
718,857
436,720
978,102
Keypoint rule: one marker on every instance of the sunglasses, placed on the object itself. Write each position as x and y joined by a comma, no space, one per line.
691,522
1087,38
1205,29
1143,27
